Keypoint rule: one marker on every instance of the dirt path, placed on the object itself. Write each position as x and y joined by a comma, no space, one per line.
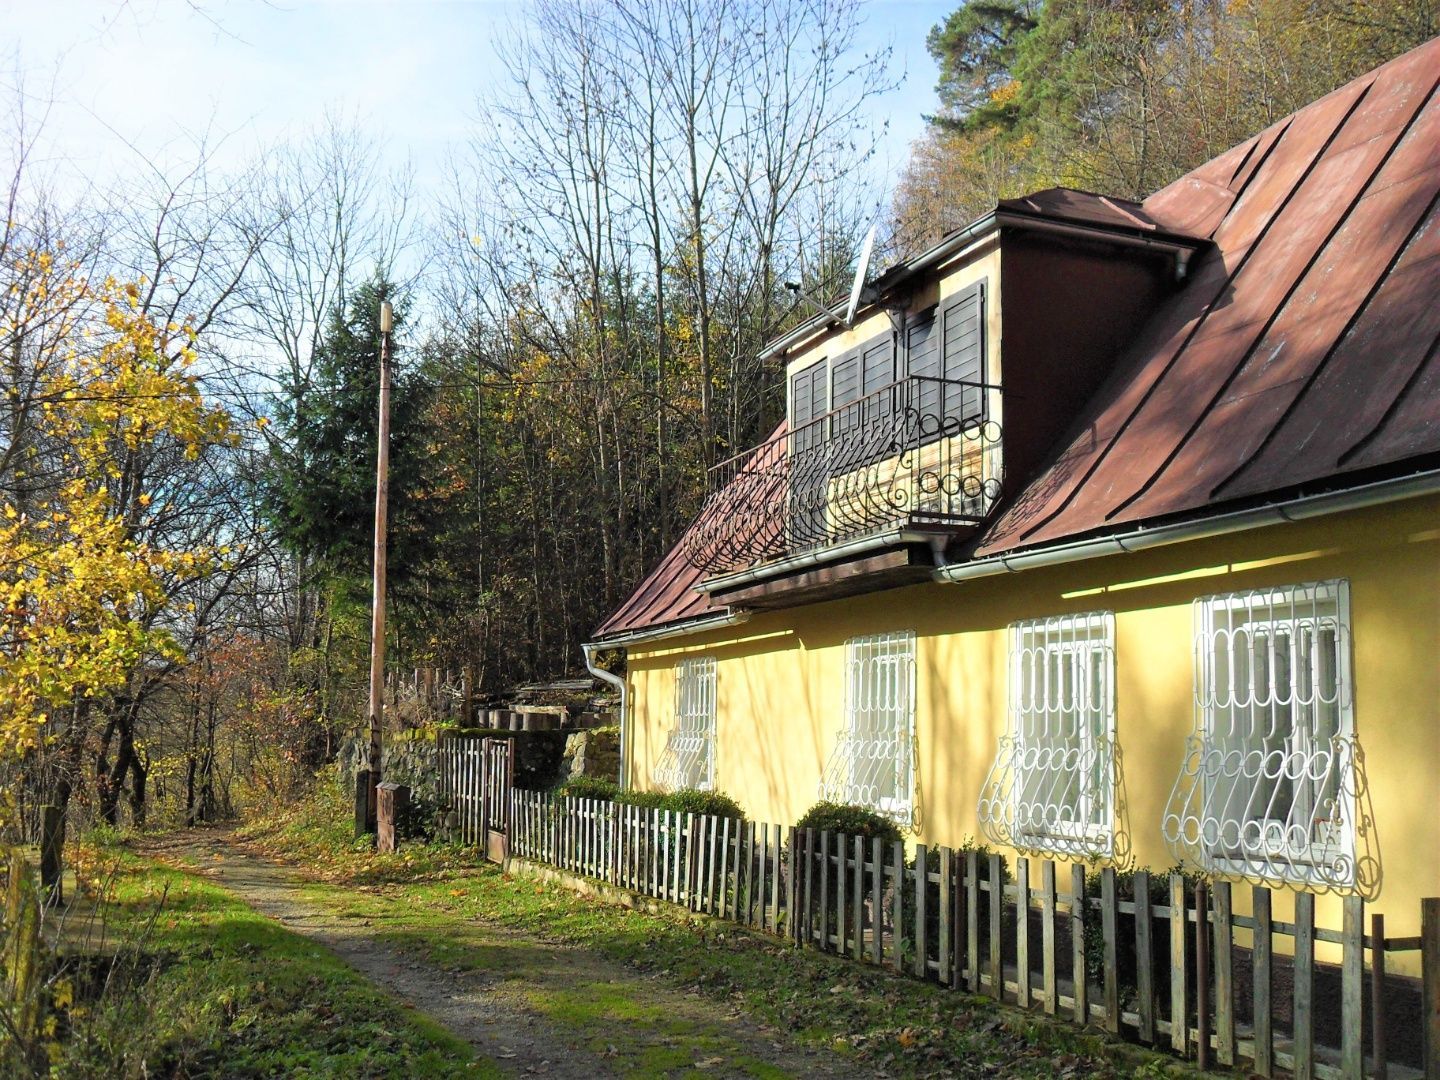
513,1008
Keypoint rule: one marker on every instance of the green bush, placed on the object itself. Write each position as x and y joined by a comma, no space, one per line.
646,800
695,801
684,801
1125,959
589,787
851,820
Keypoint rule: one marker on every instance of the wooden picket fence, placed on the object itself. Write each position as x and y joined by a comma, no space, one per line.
955,917
476,779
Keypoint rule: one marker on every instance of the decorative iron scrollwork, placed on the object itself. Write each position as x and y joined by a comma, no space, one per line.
918,452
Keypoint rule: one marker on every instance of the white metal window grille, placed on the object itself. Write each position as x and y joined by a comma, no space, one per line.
874,763
1052,787
1272,787
689,757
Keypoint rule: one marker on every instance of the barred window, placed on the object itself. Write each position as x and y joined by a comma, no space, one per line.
689,757
1052,785
873,763
1269,787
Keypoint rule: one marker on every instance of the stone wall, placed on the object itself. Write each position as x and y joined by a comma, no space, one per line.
542,759
592,753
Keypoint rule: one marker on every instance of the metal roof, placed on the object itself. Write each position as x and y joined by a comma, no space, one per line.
1303,351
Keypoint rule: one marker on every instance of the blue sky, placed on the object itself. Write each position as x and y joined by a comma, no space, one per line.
142,78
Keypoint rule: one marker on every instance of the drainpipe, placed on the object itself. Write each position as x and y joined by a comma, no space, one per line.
624,641
589,649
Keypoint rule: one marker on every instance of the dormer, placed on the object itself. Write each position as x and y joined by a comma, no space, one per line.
908,427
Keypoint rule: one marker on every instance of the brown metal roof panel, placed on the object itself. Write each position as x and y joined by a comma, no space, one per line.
1311,194
1412,428
1138,421
667,594
1303,333
1070,204
1363,379
1198,201
1283,170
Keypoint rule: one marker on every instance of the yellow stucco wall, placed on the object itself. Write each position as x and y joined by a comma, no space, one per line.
780,682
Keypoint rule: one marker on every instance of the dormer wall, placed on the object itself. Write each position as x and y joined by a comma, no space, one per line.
1071,307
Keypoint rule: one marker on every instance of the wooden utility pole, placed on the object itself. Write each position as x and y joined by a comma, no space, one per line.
377,603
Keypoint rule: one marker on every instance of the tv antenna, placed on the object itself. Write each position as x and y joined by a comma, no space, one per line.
857,289
861,271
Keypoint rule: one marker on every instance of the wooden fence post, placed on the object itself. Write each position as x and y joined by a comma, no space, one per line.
1110,933
1260,957
1304,986
792,883
877,900
1022,932
857,900
972,921
1224,960
1179,1014
1047,937
1352,988
897,907
1380,1069
775,884
997,908
1202,978
824,904
1144,957
22,972
922,883
1430,979
942,943
1078,970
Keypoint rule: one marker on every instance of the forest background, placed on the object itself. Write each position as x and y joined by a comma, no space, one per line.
189,362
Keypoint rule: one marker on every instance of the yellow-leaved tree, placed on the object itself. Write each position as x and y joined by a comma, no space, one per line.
101,382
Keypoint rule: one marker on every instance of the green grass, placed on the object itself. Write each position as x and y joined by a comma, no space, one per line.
440,905
214,989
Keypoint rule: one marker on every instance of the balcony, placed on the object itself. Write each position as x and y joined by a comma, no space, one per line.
921,454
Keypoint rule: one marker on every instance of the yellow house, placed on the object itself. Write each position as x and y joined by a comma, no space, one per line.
1105,530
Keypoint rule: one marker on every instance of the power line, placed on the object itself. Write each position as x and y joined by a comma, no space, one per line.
249,395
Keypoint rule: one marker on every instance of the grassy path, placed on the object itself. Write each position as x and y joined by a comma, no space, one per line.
533,1006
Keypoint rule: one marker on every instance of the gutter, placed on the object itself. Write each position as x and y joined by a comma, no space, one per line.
1140,539
622,641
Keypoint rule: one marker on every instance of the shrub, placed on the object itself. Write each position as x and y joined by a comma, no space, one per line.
1125,945
646,800
695,801
851,820
589,787
684,801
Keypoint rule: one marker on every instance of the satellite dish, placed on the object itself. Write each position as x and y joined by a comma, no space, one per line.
861,271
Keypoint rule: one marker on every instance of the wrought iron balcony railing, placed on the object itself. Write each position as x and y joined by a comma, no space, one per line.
919,452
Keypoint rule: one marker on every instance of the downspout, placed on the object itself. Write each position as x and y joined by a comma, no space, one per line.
624,641
589,649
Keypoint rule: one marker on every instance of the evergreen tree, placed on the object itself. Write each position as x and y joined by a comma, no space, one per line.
322,492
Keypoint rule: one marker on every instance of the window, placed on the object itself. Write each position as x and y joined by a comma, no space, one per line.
1268,789
946,349
689,757
873,763
1052,785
